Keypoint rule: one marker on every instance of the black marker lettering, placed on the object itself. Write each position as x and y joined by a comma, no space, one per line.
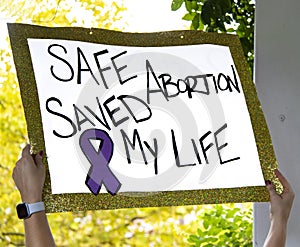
112,112
215,84
84,119
119,69
149,70
61,59
235,85
182,82
80,55
222,146
136,99
74,130
154,153
195,80
166,80
227,85
127,141
196,151
204,149
175,150
101,70
229,82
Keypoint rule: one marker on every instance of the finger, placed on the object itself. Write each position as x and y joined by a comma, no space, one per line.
18,163
286,185
39,159
26,150
272,190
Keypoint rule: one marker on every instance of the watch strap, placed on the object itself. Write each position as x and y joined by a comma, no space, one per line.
35,207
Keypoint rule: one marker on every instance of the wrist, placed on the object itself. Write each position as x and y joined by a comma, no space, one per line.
278,224
279,220
32,199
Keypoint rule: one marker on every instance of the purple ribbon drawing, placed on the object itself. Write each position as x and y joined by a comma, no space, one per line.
99,172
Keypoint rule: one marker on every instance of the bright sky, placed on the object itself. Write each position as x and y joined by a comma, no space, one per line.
154,15
141,16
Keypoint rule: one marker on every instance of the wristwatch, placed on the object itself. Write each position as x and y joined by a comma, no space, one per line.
25,210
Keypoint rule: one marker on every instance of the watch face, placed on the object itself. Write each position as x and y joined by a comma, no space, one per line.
22,211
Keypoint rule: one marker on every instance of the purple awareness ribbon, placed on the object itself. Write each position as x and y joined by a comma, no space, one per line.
99,172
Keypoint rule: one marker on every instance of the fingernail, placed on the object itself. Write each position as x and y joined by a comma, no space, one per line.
41,153
268,182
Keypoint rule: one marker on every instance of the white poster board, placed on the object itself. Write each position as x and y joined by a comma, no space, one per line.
166,100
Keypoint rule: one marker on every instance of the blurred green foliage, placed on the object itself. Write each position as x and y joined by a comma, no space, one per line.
225,16
12,136
168,226
223,226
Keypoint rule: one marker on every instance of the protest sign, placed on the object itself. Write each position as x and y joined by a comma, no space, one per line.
135,120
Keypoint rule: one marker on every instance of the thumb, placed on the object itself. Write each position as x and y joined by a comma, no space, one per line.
26,150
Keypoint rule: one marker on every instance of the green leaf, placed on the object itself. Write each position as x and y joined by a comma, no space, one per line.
176,4
191,6
194,5
196,21
194,239
189,16
188,5
209,245
201,25
205,224
232,212
230,30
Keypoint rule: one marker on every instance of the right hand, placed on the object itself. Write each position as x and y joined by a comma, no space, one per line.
280,204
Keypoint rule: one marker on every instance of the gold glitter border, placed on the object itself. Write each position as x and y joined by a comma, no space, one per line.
19,33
